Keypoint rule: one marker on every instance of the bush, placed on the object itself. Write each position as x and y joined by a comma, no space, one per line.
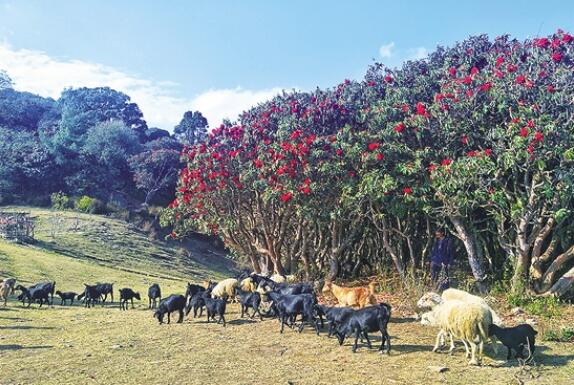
547,307
60,201
563,334
90,205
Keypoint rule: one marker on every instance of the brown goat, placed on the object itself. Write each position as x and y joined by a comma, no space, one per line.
352,296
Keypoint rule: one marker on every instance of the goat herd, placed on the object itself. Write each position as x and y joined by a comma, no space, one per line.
456,313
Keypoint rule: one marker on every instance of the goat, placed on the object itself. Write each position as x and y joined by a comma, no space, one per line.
68,295
193,289
288,306
364,321
154,294
335,315
197,303
215,306
91,295
34,293
168,305
127,294
250,300
516,338
352,296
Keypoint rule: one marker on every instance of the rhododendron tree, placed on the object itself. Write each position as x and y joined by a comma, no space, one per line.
477,137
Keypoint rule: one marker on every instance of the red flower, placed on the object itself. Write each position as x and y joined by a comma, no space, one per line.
567,38
511,67
464,139
380,156
538,136
530,149
374,146
498,74
530,123
407,191
339,152
371,83
550,88
471,154
452,71
305,190
474,70
286,197
446,162
469,93
499,61
296,134
488,152
421,109
431,168
258,163
556,56
520,79
388,79
485,87
400,127
541,42
524,132
466,80
406,108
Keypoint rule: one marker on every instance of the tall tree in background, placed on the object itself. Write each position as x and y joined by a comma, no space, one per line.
155,169
5,80
192,129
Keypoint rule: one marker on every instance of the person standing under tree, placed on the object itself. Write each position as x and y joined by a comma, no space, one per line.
442,256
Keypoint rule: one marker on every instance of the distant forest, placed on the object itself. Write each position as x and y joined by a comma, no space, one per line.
92,143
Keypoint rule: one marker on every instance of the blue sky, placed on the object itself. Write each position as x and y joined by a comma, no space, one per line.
223,56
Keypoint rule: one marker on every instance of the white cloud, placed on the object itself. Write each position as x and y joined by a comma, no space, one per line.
36,72
418,53
386,50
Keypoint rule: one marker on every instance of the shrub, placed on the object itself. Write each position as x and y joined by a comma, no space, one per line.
90,205
60,201
547,307
563,334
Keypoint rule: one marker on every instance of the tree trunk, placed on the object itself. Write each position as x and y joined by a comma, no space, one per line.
563,285
475,257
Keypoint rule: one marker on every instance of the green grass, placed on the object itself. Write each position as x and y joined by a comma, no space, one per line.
75,345
74,248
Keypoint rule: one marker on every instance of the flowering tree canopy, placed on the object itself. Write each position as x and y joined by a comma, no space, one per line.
478,136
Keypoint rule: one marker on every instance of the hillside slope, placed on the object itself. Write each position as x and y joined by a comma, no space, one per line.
74,248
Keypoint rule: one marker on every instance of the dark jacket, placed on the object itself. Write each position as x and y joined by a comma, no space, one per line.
442,251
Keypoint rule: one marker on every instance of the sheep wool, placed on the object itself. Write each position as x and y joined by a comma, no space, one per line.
225,288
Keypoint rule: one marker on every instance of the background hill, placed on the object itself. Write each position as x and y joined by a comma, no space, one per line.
73,248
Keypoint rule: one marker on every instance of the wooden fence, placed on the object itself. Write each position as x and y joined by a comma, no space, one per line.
17,227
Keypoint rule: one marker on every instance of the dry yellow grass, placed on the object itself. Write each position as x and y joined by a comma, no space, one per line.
74,345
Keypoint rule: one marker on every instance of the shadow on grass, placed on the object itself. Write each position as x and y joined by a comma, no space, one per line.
403,320
242,321
24,327
540,357
20,347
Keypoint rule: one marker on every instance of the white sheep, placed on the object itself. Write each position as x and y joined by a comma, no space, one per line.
278,278
225,288
248,285
466,321
6,288
430,300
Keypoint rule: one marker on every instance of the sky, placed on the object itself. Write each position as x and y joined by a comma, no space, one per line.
222,57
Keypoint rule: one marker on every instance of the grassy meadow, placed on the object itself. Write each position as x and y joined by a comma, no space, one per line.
74,345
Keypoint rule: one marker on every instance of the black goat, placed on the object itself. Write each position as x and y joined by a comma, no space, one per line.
364,321
91,295
50,287
193,289
65,296
249,300
516,338
174,302
335,315
286,288
105,289
288,306
127,294
215,306
33,294
197,303
154,295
